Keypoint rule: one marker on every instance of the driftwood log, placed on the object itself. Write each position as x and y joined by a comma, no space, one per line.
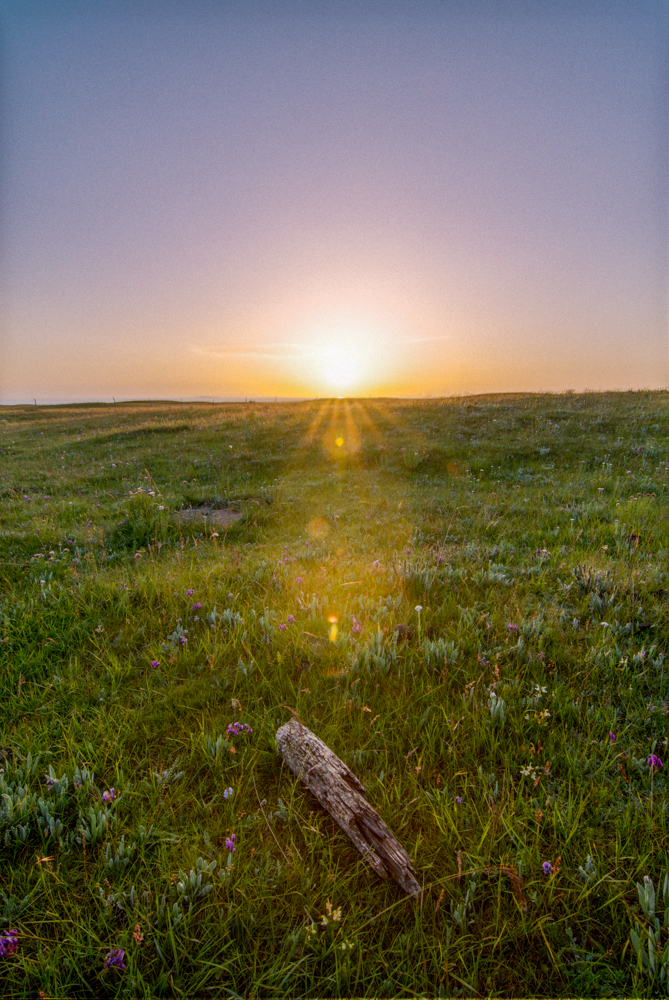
340,793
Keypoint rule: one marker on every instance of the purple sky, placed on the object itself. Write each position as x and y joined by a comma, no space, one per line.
312,198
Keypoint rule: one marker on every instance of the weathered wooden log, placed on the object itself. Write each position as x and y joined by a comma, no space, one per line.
340,793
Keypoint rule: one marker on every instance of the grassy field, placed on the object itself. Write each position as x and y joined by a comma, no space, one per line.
504,733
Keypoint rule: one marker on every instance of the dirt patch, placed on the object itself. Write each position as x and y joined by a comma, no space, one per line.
222,517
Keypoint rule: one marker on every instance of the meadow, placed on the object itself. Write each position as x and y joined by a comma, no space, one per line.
466,599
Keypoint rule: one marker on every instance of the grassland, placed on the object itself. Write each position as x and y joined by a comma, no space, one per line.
508,725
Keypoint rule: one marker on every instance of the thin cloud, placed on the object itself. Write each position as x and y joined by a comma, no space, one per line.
288,351
274,352
425,340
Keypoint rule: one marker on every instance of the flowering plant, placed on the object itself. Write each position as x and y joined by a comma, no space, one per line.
236,728
114,959
9,942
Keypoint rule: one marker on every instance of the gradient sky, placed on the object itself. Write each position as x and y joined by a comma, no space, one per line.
309,198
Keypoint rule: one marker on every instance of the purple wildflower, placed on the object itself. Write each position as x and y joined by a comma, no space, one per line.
189,593
376,563
298,579
197,606
109,795
290,619
227,794
440,560
230,843
283,627
155,664
183,640
235,728
654,762
511,627
458,799
9,942
547,868
114,959
612,736
356,626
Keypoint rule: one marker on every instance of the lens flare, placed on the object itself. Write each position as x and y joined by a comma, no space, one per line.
318,528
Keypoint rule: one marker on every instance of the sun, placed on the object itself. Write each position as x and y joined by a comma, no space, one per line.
341,366
344,354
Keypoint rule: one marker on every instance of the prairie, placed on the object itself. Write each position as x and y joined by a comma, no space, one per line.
513,733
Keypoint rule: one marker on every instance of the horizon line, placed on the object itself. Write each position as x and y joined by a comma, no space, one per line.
34,403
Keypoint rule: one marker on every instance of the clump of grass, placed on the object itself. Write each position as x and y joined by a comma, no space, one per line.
465,600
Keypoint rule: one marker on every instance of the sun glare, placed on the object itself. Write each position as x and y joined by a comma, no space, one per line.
346,356
342,368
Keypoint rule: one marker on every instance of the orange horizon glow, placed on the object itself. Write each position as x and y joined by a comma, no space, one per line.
349,359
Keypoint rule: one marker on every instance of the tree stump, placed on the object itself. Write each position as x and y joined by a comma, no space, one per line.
340,793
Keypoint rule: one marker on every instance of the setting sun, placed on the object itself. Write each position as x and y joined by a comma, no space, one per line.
346,354
341,367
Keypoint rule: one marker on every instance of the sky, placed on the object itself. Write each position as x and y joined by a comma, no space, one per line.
299,199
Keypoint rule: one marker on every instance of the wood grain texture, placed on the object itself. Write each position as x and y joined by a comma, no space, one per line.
339,792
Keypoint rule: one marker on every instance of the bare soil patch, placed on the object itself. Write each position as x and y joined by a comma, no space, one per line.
210,515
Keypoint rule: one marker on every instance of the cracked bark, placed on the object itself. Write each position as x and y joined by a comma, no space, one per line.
340,793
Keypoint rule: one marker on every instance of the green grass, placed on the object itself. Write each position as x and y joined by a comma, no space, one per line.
532,531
